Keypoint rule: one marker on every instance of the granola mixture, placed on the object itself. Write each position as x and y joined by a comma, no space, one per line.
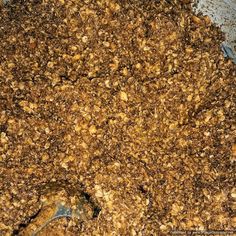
131,102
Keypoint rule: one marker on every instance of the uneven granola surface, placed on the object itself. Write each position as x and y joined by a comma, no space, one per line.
130,101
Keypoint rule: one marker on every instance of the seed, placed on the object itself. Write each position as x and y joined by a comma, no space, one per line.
196,20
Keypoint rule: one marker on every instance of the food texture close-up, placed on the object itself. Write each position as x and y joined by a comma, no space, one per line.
117,117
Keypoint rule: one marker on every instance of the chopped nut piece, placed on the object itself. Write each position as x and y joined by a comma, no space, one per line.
76,57
85,39
138,66
123,96
92,129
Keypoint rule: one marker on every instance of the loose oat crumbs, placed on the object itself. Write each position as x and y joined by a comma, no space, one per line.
130,102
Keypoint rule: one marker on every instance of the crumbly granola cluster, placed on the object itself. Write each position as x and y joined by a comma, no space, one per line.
130,100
